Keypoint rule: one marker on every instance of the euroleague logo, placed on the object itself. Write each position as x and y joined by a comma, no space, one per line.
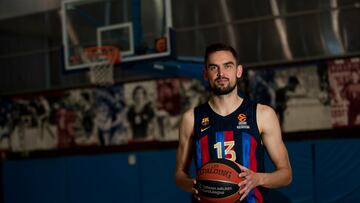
242,117
242,124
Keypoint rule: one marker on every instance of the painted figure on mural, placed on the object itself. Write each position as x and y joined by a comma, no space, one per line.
141,114
351,93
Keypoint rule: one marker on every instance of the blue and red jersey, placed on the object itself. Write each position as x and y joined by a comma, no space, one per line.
235,137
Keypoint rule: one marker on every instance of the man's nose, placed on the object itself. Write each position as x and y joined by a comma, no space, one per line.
220,72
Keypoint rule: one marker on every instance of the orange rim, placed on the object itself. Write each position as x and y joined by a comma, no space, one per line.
110,52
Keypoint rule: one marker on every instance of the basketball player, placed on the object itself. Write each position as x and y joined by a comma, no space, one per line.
234,128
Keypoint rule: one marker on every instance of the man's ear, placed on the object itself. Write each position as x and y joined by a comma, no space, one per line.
205,74
239,71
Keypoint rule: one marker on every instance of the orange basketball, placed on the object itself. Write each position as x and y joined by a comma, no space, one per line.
217,181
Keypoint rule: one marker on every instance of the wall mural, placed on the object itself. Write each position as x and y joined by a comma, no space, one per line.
298,94
115,115
344,79
307,97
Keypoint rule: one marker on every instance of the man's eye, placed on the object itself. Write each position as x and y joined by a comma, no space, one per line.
212,67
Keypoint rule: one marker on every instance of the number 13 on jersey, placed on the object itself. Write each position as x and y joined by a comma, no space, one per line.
229,150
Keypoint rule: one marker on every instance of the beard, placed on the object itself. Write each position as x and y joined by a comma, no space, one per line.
217,90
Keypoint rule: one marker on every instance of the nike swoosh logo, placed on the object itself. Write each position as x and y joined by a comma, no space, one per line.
203,129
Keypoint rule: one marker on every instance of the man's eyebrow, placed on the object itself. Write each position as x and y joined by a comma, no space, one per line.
212,64
229,63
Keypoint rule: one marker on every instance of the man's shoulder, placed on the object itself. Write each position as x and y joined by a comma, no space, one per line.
189,113
264,113
266,118
263,108
187,119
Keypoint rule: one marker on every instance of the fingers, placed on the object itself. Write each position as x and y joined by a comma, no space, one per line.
246,185
197,198
195,191
242,168
243,195
244,174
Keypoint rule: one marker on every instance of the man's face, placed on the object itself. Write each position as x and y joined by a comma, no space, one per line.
103,111
139,96
222,72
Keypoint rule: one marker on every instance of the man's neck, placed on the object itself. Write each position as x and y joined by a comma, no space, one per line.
225,104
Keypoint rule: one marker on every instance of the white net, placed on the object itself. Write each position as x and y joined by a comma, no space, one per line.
103,58
102,75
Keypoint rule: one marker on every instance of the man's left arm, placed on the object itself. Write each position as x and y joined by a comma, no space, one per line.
271,136
270,130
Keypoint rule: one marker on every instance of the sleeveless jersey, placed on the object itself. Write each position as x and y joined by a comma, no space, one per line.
235,137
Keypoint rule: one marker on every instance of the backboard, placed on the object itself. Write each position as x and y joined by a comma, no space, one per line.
138,28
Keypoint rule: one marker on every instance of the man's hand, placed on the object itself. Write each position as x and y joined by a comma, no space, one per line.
195,191
249,181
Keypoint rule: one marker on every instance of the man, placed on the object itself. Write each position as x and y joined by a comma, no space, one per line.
282,97
234,128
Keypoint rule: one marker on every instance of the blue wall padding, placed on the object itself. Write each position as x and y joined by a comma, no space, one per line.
338,171
103,178
157,175
323,171
36,181
301,188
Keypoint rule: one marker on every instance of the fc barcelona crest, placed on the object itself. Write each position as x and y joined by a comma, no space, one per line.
205,121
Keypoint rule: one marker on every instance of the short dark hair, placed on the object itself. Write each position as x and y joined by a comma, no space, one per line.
293,80
138,88
219,47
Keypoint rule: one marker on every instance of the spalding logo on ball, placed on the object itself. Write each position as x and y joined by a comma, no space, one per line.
217,181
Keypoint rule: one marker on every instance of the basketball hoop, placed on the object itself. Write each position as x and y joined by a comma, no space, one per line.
103,59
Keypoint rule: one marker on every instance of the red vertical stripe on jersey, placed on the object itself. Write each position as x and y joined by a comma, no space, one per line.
253,161
204,149
258,196
228,136
253,167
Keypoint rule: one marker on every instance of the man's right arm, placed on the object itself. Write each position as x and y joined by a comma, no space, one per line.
185,152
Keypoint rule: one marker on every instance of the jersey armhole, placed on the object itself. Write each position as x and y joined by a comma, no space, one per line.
195,111
256,121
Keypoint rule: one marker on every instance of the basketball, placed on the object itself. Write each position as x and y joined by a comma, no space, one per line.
217,181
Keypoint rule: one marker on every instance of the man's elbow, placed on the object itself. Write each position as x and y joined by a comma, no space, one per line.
184,182
177,180
288,179
285,178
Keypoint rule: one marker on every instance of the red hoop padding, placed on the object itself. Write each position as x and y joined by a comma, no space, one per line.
110,52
